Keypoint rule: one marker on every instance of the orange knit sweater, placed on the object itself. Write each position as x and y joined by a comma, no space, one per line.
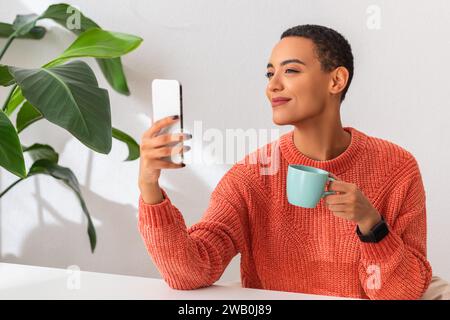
288,248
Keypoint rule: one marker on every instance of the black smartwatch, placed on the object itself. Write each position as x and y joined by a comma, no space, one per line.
376,234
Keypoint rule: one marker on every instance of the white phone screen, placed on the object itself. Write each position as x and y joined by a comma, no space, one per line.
167,101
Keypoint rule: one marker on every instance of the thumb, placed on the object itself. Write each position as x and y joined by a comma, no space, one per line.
333,176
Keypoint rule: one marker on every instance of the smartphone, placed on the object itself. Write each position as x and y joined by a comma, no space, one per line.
167,100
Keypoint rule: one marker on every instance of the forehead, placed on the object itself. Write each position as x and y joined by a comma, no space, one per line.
293,47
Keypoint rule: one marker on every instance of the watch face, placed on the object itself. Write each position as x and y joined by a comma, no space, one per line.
376,234
380,231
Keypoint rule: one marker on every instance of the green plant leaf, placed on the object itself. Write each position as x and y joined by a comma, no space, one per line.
29,114
114,74
62,13
6,79
133,146
26,116
14,101
36,32
111,68
68,96
11,155
24,23
6,30
98,43
40,151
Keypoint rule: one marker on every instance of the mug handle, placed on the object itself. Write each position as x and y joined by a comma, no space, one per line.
327,193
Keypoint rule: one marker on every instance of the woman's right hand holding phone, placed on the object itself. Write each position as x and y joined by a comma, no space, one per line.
153,147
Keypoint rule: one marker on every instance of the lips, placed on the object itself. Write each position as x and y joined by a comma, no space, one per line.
279,101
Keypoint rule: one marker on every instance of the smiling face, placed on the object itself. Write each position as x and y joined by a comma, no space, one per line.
303,81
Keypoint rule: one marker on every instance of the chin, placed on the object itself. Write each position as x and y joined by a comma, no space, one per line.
281,121
289,119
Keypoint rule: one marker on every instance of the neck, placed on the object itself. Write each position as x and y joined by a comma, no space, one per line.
322,137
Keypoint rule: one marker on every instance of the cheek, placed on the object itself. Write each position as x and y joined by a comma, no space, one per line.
305,87
316,85
307,93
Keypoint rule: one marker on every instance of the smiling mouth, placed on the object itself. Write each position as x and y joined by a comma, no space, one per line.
279,103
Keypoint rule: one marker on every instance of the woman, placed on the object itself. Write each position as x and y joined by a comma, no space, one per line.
368,240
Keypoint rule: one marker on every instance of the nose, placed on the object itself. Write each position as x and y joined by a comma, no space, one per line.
274,84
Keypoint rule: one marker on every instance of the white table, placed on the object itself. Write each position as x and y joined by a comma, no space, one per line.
31,282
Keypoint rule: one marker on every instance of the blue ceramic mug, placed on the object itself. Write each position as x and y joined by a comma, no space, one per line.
306,185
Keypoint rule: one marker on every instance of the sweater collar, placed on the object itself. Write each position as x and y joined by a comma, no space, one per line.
336,165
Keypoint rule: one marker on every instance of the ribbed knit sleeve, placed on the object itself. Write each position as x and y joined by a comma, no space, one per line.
397,266
195,257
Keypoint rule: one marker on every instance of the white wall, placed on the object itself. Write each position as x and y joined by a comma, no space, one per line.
218,50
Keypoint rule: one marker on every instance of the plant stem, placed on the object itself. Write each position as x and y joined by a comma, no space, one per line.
8,42
7,189
5,105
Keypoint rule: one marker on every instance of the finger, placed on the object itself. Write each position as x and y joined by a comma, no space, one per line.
333,176
168,151
163,164
340,214
336,199
164,139
160,124
339,186
337,207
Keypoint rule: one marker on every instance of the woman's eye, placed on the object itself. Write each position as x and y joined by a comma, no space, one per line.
269,74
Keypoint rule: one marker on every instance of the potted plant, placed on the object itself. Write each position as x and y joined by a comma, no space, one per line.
64,92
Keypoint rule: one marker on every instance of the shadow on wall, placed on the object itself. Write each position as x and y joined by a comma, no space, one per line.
119,250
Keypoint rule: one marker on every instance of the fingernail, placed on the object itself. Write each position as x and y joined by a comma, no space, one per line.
183,165
175,117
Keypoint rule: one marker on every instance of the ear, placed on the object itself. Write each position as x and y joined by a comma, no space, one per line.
339,79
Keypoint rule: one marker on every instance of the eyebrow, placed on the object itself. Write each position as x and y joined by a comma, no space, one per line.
269,65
